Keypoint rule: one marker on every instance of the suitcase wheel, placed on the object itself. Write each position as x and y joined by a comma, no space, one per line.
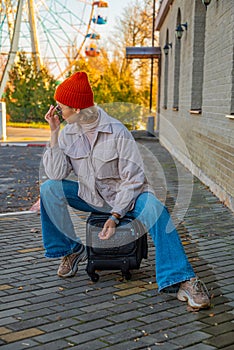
94,277
127,275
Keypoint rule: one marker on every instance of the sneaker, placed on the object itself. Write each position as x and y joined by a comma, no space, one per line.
195,292
69,263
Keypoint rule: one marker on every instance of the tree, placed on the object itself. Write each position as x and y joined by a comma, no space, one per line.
114,79
109,82
134,28
29,92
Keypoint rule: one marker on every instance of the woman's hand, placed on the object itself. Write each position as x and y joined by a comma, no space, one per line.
108,230
52,119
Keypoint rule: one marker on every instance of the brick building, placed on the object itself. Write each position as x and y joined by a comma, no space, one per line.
196,96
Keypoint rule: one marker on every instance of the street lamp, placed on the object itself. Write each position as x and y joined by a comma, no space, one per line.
152,60
179,29
206,2
167,47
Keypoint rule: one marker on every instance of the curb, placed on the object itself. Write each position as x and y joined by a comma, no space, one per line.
22,144
18,213
146,138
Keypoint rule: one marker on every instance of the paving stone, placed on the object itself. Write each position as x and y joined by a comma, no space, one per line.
14,311
128,345
221,308
97,306
92,345
217,319
4,330
123,336
20,345
130,284
60,334
158,337
88,326
124,325
45,291
18,295
157,316
7,320
13,304
169,346
66,307
188,328
191,338
200,346
27,333
35,314
130,291
186,318
130,298
153,309
29,250
130,306
85,337
153,327
34,307
41,299
221,340
20,325
95,315
54,326
125,316
5,286
220,329
54,345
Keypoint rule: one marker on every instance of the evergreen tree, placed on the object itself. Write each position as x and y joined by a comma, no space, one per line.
29,91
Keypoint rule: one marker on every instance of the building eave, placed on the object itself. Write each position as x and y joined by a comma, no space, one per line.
162,13
143,52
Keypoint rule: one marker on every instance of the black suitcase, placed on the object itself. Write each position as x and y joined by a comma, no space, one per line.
123,251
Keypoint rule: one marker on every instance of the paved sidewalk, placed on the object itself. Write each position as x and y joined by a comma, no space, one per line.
39,310
26,135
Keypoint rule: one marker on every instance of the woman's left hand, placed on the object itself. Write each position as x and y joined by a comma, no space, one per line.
108,230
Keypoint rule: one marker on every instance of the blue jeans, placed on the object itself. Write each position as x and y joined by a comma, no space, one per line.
60,239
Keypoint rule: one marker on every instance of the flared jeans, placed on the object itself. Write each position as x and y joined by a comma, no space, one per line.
60,238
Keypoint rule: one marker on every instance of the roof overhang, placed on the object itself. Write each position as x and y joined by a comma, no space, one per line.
143,52
162,13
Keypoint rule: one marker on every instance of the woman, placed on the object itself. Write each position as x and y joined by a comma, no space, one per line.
109,169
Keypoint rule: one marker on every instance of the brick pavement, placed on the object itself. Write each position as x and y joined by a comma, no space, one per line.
19,180
39,310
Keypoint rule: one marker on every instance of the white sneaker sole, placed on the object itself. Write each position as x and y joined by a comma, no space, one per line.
183,296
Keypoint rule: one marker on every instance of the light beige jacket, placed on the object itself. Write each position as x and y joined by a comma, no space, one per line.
110,171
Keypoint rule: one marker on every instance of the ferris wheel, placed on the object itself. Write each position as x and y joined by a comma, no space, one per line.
54,32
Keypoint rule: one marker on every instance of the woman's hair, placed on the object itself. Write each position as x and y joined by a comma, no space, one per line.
88,114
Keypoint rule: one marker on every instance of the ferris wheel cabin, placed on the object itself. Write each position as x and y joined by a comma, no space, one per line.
100,16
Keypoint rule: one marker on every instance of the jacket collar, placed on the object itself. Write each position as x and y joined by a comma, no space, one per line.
103,126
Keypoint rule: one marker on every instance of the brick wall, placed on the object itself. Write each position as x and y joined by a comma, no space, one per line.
203,142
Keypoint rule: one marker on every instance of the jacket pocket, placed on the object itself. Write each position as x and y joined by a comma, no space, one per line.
106,164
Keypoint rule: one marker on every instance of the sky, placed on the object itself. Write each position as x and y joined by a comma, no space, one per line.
115,10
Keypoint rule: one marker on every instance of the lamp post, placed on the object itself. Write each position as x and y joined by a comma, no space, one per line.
152,60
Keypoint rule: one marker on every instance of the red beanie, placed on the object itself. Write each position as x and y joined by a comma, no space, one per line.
75,91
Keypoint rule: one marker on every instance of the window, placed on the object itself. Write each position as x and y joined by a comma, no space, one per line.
198,57
177,68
